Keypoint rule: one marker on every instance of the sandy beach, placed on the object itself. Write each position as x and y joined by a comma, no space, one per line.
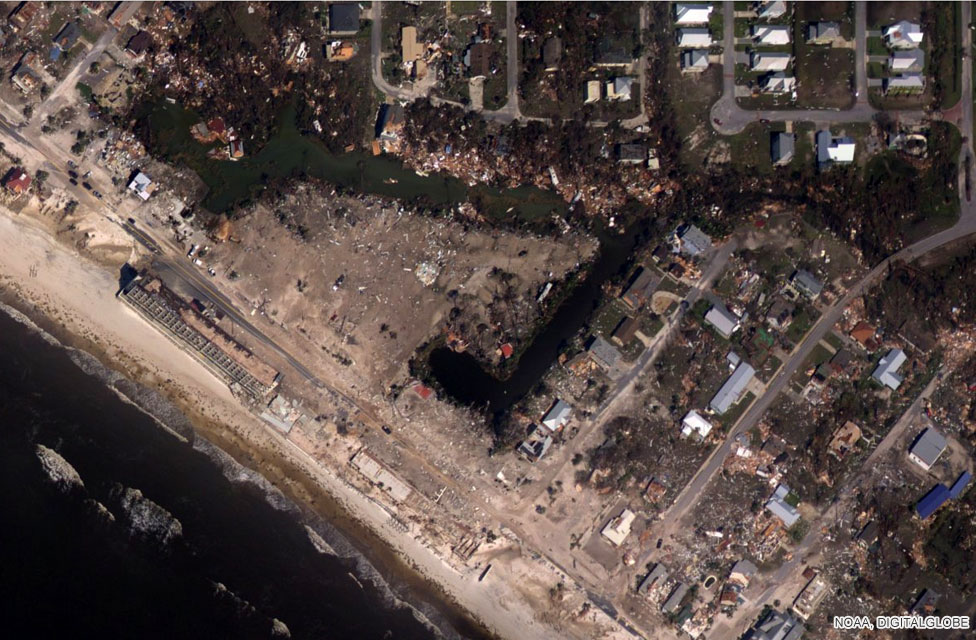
75,298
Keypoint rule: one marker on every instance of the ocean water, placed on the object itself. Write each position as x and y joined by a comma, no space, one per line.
164,536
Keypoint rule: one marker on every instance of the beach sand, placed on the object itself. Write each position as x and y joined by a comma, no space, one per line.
74,298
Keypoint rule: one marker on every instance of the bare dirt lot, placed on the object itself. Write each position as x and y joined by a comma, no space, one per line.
352,284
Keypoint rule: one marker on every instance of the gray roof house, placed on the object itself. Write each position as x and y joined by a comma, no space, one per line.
343,17
887,371
925,604
770,9
674,600
806,283
779,507
693,241
657,575
724,321
910,60
777,626
603,353
732,390
694,60
928,448
557,417
631,153
823,32
781,148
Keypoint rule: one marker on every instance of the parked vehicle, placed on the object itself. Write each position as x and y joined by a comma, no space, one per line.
86,186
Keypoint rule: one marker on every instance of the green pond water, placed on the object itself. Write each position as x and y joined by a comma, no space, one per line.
289,153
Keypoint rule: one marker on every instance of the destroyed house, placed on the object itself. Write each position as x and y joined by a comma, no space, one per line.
925,605
68,36
868,535
139,43
23,15
122,13
17,180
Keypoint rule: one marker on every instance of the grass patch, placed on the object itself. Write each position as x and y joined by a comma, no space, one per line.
941,24
876,46
803,319
85,91
834,340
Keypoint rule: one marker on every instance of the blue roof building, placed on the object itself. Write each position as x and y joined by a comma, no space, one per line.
932,501
959,485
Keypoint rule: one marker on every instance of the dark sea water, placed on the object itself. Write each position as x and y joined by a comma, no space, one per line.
67,571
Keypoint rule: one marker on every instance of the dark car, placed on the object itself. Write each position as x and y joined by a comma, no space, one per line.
132,220
86,185
97,195
73,174
73,181
386,430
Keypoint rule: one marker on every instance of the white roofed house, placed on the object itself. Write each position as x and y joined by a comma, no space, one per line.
907,61
770,9
834,150
928,448
904,84
693,422
775,61
617,530
723,320
903,35
142,185
780,507
685,13
770,34
620,88
557,417
778,82
593,91
887,371
692,241
694,38
732,390
694,60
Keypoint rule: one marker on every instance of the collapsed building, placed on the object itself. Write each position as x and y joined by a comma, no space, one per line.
185,325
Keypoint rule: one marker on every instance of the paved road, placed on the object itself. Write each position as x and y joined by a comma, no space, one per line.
728,118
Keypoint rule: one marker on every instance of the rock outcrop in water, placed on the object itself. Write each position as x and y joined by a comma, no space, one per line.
58,470
148,518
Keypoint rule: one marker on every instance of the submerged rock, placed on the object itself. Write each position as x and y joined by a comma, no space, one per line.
58,470
279,629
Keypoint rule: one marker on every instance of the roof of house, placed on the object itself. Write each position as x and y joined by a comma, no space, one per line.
777,626
903,34
869,533
823,30
17,180
863,332
887,371
552,51
612,52
604,353
770,9
617,530
692,13
68,36
769,61
626,329
732,390
929,446
693,421
593,91
932,501
140,184
926,602
771,34
634,152
906,81
693,240
807,282
139,43
557,416
780,508
641,287
724,321
831,149
657,574
781,147
674,600
343,17
959,485
694,59
744,568
907,60
778,82
694,37
622,86
123,12
478,59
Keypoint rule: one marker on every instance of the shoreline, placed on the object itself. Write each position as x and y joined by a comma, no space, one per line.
314,489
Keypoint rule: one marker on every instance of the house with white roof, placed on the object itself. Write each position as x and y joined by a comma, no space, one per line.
782,509
769,61
903,35
778,82
694,60
887,371
693,422
593,91
618,528
907,60
724,321
770,34
907,83
732,390
834,150
557,417
770,9
620,88
692,13
142,185
928,448
694,38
